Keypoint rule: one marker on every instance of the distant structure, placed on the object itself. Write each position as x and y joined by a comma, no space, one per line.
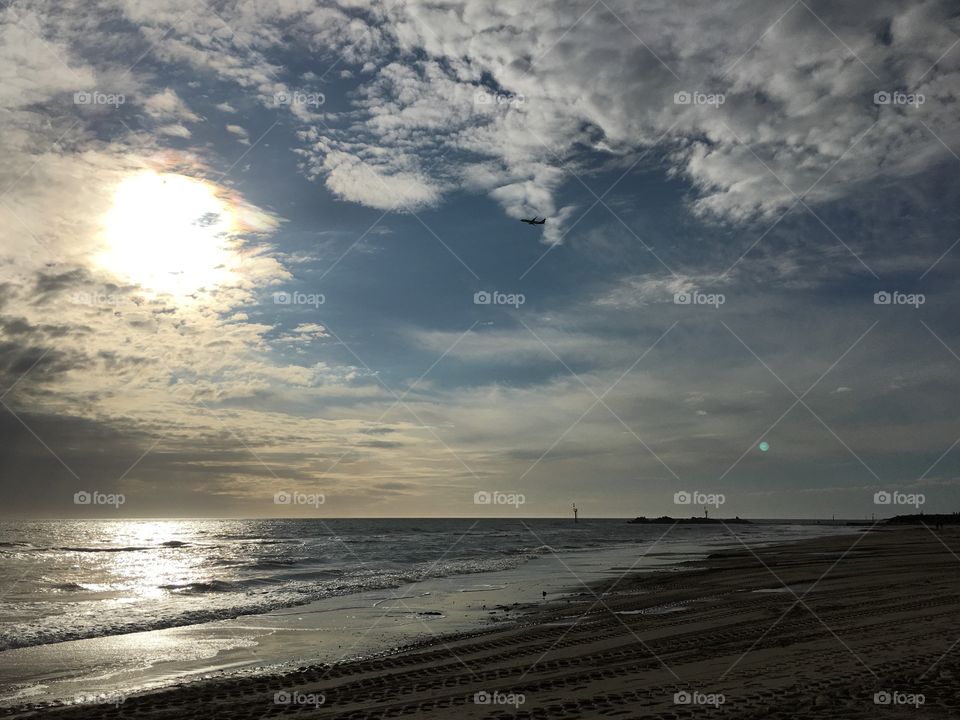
575,521
706,513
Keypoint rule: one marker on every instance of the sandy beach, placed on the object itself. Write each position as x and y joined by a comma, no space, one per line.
837,627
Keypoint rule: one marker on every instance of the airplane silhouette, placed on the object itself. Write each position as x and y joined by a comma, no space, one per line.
541,221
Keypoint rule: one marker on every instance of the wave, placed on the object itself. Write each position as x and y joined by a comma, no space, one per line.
102,549
201,587
277,563
250,596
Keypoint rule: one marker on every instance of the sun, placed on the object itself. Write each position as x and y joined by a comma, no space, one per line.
170,234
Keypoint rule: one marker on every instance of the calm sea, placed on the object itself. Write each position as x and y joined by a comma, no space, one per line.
67,580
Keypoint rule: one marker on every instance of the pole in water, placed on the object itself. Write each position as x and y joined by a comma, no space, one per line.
575,514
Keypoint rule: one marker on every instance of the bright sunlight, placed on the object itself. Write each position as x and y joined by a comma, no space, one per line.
170,234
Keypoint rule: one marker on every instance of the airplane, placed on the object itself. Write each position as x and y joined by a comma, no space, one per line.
541,221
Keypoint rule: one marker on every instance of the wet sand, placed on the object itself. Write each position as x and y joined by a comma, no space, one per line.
856,626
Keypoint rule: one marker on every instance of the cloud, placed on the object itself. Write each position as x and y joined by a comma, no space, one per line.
350,178
237,389
797,115
175,130
240,133
167,106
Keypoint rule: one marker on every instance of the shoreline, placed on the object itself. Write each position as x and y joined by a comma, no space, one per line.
840,630
346,627
327,631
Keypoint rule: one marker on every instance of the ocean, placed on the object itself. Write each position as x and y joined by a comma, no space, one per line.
67,582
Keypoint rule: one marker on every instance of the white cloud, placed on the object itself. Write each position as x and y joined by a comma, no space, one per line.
797,98
168,106
243,135
350,178
175,130
798,94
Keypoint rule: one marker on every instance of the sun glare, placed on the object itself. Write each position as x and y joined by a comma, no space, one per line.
170,234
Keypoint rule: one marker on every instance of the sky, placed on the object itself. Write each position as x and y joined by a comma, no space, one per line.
264,259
